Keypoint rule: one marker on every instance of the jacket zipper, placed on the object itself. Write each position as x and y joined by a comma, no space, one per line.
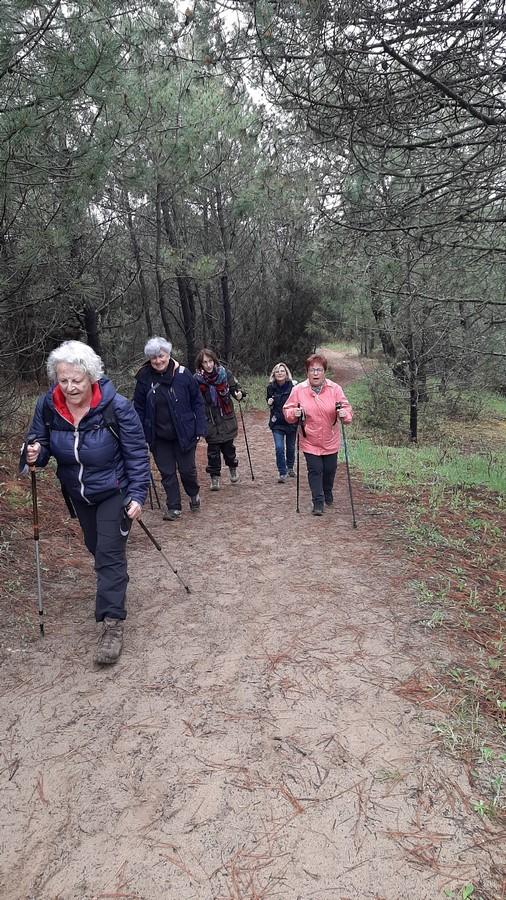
81,466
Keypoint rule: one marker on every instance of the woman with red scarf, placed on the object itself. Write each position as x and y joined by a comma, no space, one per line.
218,386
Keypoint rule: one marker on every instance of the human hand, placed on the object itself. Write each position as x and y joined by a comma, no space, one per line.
32,453
342,413
134,510
238,395
270,401
298,412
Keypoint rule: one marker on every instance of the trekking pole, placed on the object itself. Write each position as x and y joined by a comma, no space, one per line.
167,560
246,442
345,445
150,497
153,482
36,539
301,424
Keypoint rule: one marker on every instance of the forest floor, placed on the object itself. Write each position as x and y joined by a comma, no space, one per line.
272,734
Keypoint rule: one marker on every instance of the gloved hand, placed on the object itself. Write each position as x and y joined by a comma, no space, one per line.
270,401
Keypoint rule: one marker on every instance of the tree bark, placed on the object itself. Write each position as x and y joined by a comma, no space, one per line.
183,282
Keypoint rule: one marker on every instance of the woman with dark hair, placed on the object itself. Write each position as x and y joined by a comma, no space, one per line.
217,387
172,413
317,404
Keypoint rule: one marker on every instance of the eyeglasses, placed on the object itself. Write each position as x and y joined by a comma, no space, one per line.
317,371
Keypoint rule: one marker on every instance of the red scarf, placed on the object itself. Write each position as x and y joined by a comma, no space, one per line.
215,388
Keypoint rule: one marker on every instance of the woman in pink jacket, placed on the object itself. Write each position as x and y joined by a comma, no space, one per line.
319,403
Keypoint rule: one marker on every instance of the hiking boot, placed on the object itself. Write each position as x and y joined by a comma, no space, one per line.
317,507
215,482
291,473
234,475
195,503
171,515
329,499
110,642
282,479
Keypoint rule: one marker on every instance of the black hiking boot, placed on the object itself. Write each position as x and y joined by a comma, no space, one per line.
317,507
171,515
195,503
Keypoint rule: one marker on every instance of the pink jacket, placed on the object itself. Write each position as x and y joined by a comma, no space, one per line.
321,426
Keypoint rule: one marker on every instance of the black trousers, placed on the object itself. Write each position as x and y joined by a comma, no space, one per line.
106,528
214,452
169,459
321,471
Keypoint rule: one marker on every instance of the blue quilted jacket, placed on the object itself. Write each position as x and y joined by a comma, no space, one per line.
90,459
185,403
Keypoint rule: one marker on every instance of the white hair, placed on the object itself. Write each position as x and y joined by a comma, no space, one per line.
157,345
75,353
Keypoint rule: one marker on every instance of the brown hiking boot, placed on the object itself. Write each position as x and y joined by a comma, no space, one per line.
110,642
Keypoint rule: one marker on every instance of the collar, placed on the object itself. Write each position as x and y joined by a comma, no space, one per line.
60,404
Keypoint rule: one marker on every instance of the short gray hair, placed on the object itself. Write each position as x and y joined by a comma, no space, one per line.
157,345
75,353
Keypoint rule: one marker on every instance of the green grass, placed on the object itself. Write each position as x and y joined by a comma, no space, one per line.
493,404
401,466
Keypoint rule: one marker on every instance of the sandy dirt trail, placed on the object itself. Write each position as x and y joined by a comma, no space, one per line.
254,740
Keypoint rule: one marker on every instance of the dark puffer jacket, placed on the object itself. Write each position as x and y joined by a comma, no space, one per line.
280,394
91,461
185,404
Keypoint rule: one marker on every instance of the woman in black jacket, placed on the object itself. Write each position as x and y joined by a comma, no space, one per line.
217,387
103,466
278,391
172,414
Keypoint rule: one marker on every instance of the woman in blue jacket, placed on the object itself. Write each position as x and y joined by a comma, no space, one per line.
171,410
103,466
278,390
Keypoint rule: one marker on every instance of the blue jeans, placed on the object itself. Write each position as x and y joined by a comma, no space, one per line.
284,462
